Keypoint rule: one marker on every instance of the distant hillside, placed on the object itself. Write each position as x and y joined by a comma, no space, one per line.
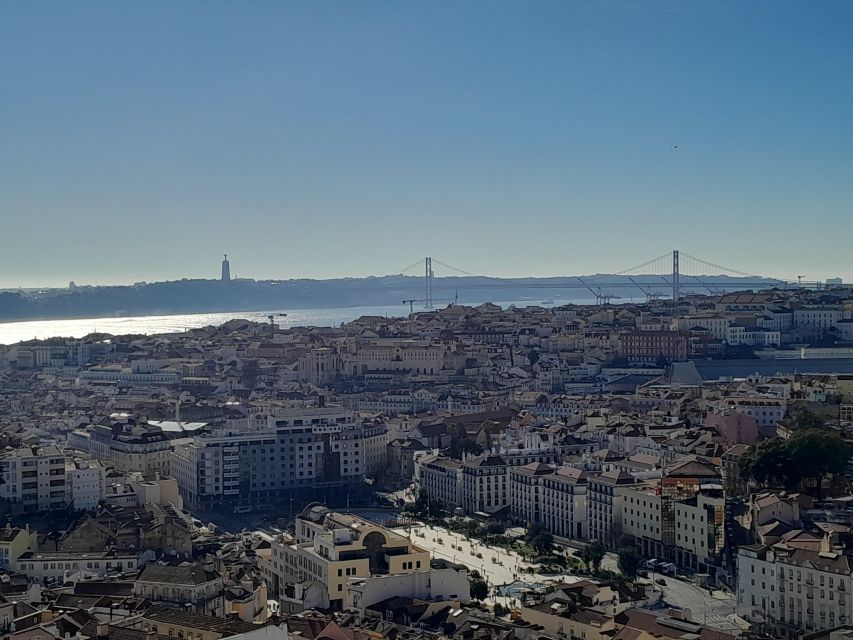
200,296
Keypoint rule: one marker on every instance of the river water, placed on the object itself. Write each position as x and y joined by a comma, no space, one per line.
12,332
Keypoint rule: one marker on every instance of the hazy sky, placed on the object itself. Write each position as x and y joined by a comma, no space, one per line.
140,140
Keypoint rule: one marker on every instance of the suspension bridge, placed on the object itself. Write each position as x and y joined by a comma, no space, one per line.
666,276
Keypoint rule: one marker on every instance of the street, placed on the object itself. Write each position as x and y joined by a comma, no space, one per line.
715,609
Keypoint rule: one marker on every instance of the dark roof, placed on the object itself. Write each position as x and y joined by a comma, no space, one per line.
659,625
8,534
693,469
535,469
103,588
192,574
197,620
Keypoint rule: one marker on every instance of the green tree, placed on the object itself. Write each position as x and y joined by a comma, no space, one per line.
817,453
533,356
769,463
540,539
806,419
592,555
808,454
479,590
629,561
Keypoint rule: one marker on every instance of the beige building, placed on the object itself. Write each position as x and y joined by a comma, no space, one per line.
13,544
329,548
416,356
193,587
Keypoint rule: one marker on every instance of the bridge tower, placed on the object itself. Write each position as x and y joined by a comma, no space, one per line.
428,273
676,284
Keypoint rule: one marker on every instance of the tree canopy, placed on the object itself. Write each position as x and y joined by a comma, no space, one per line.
629,561
540,539
479,590
592,555
810,454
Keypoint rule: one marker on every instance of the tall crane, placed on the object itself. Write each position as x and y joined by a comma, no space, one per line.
271,317
428,303
601,297
650,293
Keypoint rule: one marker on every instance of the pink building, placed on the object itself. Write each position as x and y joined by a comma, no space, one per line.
736,428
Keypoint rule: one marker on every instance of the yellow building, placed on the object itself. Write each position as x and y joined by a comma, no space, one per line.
328,549
13,544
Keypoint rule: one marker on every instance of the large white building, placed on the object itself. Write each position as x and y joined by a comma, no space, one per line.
485,484
554,497
440,478
35,477
301,448
784,590
87,481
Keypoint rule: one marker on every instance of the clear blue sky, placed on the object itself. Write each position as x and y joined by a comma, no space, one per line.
140,140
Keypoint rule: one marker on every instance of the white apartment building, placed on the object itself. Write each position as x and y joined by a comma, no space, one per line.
375,442
440,478
127,447
525,493
128,376
786,590
87,481
304,447
485,484
698,529
716,325
641,518
753,336
779,319
47,566
35,477
447,585
824,317
766,411
564,503
605,495
757,585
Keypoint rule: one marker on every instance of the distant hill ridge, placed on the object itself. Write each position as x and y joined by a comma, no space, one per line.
208,296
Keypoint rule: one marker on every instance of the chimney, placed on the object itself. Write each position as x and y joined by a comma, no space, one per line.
102,631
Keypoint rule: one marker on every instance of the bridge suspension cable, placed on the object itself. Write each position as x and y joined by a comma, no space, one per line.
417,263
722,270
660,261
452,268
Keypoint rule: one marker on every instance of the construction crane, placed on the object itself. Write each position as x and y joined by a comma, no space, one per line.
412,302
271,317
650,294
601,298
